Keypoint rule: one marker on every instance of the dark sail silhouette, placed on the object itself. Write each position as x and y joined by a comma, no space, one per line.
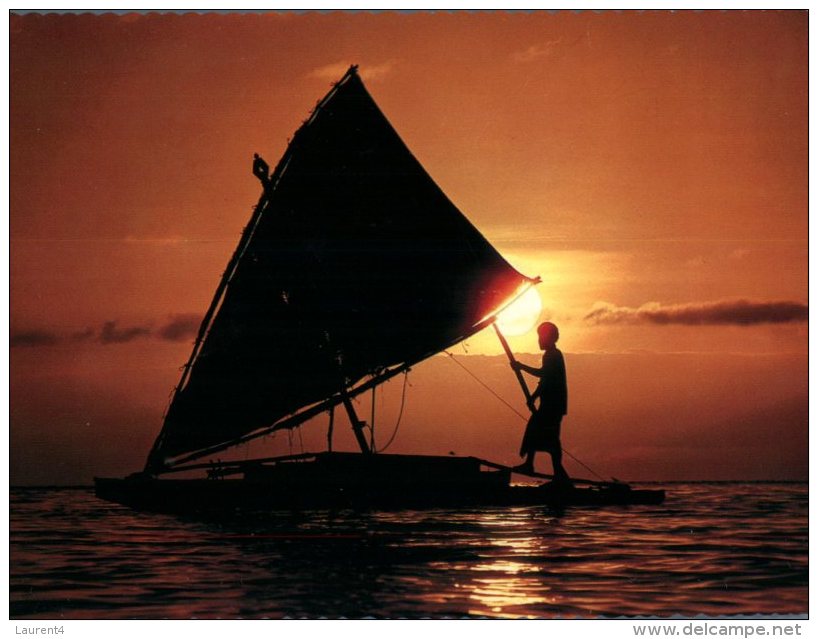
353,263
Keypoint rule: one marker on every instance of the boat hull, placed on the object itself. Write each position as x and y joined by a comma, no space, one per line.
244,496
342,481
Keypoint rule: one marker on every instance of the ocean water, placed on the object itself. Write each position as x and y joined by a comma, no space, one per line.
713,549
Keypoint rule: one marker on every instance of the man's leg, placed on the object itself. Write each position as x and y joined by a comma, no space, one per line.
528,465
556,462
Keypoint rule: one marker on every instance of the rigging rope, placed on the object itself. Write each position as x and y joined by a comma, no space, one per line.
400,412
486,386
372,421
515,411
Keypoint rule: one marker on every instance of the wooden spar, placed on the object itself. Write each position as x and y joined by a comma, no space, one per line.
293,420
316,409
330,428
211,311
357,424
517,371
247,234
238,464
493,321
232,467
269,184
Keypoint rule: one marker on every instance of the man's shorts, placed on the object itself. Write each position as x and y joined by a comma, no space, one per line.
542,433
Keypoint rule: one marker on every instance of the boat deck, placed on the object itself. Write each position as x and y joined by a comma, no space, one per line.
352,480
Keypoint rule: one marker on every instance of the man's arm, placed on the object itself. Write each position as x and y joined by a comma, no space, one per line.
537,372
532,402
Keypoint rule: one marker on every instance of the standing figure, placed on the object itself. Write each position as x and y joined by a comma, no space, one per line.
543,430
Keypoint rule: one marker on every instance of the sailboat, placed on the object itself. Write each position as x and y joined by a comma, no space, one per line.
353,268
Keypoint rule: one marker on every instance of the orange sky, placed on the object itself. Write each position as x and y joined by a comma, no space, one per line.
651,167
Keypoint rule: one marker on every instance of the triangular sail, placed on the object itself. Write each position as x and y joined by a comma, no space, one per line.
355,262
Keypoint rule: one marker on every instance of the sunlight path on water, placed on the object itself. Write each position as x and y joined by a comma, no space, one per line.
711,549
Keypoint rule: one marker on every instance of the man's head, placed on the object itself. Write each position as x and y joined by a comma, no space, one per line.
548,334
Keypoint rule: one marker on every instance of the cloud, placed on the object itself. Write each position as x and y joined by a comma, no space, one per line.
725,312
536,51
179,328
39,337
335,70
112,334
33,338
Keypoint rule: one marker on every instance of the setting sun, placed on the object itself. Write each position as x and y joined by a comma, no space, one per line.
522,314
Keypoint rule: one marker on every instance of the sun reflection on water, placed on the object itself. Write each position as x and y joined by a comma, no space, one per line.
75,557
504,584
501,596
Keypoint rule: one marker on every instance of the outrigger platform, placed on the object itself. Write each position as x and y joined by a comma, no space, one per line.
351,480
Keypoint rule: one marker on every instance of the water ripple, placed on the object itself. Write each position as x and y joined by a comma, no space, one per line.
712,549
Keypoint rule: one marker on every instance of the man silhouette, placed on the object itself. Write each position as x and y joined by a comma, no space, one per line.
543,430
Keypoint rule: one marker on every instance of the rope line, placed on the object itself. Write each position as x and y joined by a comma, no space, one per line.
400,412
515,411
486,386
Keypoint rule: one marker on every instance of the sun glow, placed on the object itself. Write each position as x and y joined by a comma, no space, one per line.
521,316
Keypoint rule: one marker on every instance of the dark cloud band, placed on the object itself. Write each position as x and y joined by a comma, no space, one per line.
178,328
726,312
32,338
